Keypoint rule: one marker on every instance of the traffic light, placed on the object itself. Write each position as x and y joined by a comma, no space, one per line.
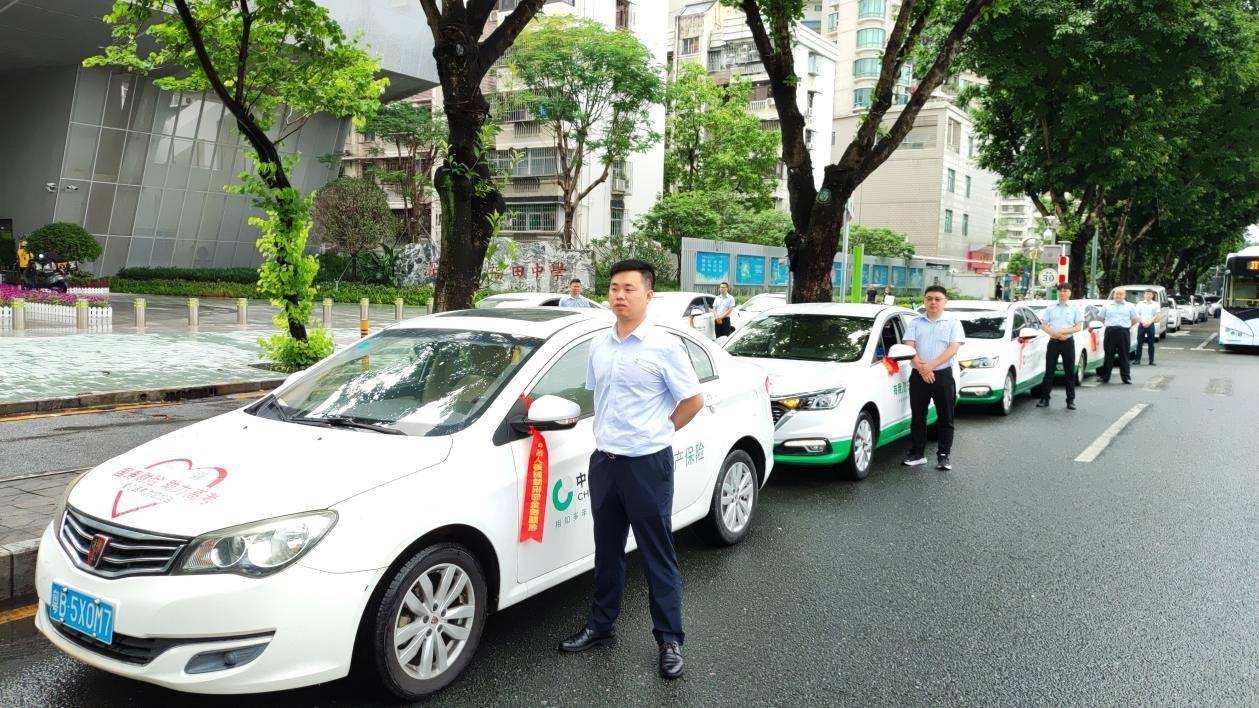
1064,268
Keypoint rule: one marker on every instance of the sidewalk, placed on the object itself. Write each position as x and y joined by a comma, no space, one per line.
28,505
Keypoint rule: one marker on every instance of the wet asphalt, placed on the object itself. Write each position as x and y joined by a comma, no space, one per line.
1022,577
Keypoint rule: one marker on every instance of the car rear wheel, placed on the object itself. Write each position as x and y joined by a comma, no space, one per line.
428,621
857,466
733,502
1006,404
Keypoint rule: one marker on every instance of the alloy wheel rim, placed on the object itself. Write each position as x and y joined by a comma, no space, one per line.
1007,396
432,626
862,444
737,494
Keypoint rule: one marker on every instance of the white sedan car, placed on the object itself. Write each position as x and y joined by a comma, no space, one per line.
689,310
1088,341
383,502
837,395
755,305
1004,353
524,300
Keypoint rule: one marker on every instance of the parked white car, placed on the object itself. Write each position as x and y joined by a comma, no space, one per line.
525,300
690,310
836,396
1089,352
755,305
1004,353
383,496
1174,315
1193,308
1136,293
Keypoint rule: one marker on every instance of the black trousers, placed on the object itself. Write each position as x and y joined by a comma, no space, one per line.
1056,349
1116,344
944,392
724,328
635,492
1146,335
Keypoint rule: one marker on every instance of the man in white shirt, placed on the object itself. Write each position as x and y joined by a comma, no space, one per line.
722,309
574,297
1147,332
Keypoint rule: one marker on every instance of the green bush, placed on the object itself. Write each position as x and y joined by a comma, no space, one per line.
344,292
247,276
291,355
64,241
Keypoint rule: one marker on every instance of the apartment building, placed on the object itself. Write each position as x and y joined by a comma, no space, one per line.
931,188
717,37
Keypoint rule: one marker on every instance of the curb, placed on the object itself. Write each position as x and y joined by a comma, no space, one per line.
17,569
94,400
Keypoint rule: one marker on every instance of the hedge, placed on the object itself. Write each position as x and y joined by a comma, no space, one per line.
345,292
248,276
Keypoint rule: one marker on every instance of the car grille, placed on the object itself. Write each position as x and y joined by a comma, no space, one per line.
132,650
128,552
777,410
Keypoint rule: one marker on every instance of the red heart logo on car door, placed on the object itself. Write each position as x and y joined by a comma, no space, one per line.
167,480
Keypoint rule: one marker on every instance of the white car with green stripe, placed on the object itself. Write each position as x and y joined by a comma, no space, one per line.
834,395
1088,341
1004,353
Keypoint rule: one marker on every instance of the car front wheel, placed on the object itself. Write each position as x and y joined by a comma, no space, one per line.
733,501
1006,404
428,621
857,466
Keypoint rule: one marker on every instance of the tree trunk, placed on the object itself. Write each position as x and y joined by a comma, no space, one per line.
566,236
469,200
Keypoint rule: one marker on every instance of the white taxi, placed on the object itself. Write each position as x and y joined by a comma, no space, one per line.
1089,353
837,392
525,300
377,506
1004,353
754,306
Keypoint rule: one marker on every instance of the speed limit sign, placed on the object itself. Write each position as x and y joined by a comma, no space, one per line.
1047,277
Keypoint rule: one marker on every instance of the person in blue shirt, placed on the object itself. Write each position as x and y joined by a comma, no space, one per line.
1060,322
936,336
1147,332
723,307
645,389
574,297
1118,316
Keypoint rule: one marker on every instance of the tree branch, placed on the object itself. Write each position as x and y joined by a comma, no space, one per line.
607,166
242,55
868,130
479,11
505,34
432,14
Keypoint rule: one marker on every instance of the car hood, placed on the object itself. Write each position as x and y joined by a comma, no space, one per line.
975,348
788,377
238,468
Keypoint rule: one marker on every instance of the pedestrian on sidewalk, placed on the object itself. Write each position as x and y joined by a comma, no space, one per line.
1147,332
872,294
1060,322
722,309
936,336
1118,316
645,389
574,298
888,298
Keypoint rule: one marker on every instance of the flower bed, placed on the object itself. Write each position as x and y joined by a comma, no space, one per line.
47,306
9,293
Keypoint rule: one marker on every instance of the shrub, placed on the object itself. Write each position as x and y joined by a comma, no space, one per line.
64,241
291,355
616,248
202,275
342,292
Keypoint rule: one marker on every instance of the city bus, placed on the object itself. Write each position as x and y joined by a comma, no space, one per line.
1239,311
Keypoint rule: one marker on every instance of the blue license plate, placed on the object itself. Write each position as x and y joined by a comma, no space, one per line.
82,613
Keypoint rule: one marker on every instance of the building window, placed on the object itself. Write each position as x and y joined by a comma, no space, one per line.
690,45
948,221
616,224
968,182
814,64
622,14
966,224
867,67
970,146
953,137
532,217
871,38
861,97
870,8
832,22
770,125
950,181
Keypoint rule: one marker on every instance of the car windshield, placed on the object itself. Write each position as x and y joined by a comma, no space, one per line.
984,327
498,301
761,304
670,307
801,336
418,381
1136,296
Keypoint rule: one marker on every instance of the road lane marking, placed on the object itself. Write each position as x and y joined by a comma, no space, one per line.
1092,451
1158,383
86,411
1206,341
1220,387
1161,347
18,614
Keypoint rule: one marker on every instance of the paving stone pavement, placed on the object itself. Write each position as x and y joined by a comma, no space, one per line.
28,506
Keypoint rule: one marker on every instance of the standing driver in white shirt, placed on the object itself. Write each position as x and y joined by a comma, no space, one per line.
645,389
722,309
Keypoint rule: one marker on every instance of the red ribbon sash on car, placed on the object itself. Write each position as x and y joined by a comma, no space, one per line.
893,366
533,515
1022,346
1093,340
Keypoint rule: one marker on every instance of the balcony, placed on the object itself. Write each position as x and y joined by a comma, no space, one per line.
621,178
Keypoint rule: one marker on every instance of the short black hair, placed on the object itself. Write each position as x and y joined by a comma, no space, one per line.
575,280
725,283
936,289
1065,286
633,264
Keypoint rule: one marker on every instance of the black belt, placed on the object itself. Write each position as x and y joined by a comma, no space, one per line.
1123,327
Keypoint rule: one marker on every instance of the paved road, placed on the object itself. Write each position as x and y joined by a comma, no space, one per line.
1022,577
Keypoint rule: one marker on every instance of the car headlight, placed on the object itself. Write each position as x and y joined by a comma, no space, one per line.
60,509
822,400
982,362
257,549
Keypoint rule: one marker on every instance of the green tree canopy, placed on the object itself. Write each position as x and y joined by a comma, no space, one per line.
352,215
715,215
418,137
595,88
64,241
878,241
713,142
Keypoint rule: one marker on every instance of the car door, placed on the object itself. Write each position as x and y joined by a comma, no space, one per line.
568,526
698,447
891,388
1037,348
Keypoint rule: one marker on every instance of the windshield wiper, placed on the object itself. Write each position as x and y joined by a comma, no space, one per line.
345,421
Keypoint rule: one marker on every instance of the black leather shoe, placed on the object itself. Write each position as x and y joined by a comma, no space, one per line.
1070,405
587,639
1042,403
671,663
1129,381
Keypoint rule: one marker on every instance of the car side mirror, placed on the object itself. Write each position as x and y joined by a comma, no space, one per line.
695,311
901,352
550,413
1028,333
1095,324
